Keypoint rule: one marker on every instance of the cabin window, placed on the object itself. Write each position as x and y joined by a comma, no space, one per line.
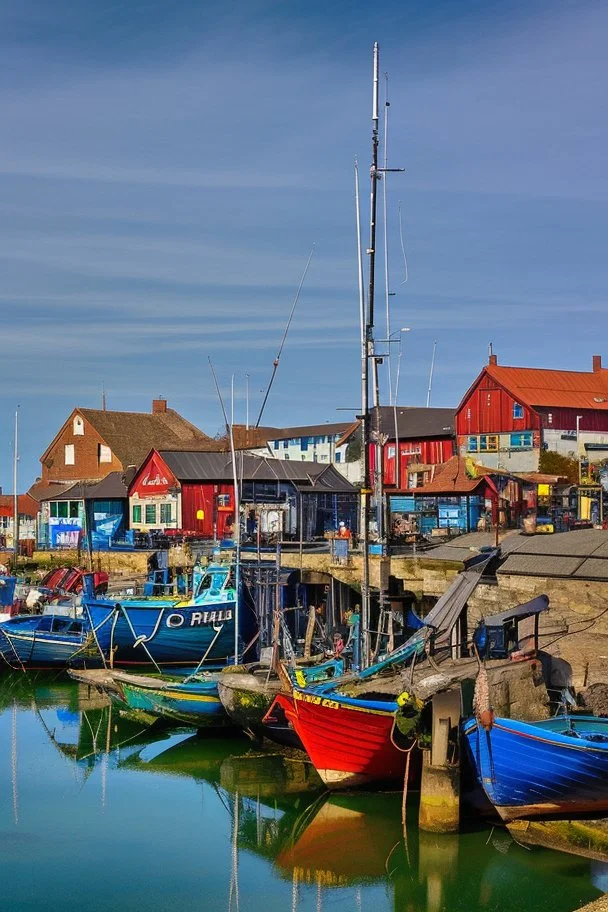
472,445
166,514
104,453
78,426
150,514
488,443
521,440
136,513
518,410
69,454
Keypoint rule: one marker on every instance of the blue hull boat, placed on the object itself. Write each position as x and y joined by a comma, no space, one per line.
195,702
172,631
557,767
46,641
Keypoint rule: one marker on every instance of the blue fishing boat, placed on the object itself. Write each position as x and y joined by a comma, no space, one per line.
46,641
556,767
142,631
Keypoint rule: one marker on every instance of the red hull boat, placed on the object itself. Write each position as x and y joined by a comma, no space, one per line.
350,742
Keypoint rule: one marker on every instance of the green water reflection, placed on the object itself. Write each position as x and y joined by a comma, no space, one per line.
98,812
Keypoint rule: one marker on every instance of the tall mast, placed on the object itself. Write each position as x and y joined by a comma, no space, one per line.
237,519
364,417
428,395
15,492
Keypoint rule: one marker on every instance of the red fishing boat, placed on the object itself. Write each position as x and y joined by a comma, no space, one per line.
351,742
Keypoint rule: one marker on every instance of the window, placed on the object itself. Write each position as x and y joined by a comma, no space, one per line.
518,410
104,453
304,444
62,509
223,500
285,444
74,509
166,511
338,457
521,440
488,443
78,426
136,513
276,444
69,454
472,445
150,514
53,508
286,455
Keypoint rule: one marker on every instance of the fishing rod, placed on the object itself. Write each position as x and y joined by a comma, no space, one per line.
275,363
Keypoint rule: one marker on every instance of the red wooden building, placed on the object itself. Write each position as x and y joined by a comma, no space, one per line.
413,441
194,491
510,413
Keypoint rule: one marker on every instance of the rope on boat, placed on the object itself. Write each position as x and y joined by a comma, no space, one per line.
141,641
208,650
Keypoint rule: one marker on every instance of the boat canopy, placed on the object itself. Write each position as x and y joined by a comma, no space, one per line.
528,609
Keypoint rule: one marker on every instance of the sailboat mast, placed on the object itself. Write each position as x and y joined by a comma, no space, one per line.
15,492
369,354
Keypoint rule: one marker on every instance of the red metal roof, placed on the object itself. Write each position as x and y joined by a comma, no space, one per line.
554,388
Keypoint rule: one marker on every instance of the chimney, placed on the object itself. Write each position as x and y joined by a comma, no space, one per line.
159,406
493,359
597,363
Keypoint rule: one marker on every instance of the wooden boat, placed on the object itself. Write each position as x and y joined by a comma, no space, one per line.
556,767
248,695
193,702
142,631
351,742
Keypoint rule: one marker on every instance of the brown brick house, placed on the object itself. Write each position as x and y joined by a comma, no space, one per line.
94,442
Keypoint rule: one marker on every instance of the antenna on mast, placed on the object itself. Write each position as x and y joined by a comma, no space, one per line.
275,363
103,397
428,395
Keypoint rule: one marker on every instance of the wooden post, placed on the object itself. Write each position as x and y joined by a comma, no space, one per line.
440,787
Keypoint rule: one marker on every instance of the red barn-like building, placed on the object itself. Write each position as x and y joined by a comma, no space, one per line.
510,413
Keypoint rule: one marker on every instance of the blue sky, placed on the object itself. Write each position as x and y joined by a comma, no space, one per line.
166,166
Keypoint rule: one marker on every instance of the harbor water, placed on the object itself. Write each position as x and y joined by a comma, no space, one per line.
99,812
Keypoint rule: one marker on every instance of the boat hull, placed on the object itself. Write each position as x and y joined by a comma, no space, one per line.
350,743
165,632
192,704
535,770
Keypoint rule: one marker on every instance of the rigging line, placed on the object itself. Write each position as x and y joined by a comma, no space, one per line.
407,275
275,363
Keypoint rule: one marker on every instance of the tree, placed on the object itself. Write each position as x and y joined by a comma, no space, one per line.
554,464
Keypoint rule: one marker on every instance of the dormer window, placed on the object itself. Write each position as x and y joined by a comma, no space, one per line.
78,426
518,410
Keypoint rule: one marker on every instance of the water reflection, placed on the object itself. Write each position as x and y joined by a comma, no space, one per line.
273,838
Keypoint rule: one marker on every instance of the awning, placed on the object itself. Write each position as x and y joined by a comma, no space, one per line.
535,606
